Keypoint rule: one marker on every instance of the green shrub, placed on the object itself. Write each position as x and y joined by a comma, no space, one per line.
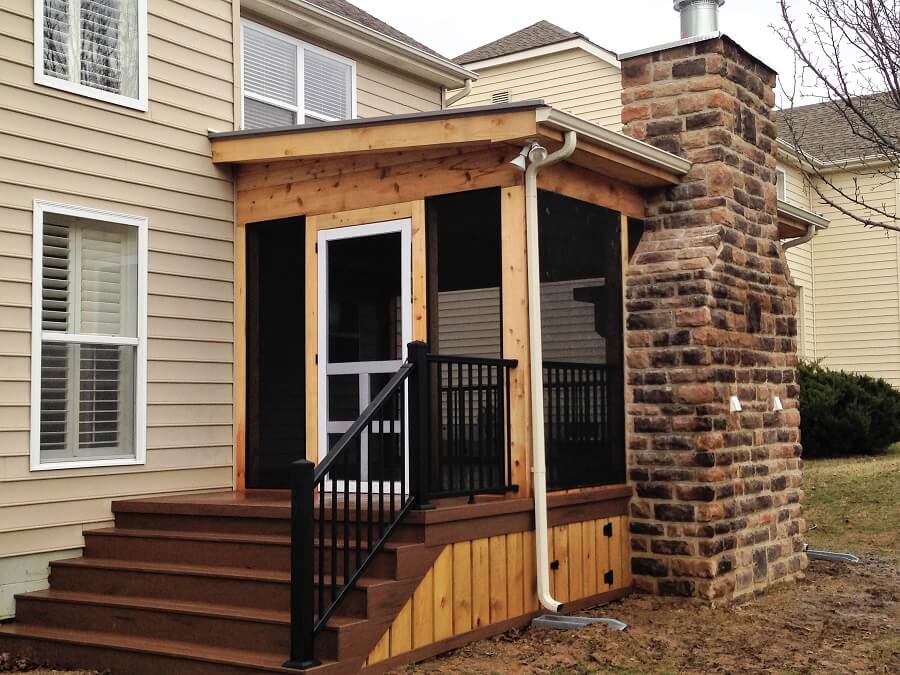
846,414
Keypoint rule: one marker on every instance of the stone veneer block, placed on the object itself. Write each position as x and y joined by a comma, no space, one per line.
711,313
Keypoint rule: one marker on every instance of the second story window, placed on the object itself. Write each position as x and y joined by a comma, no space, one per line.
287,81
96,48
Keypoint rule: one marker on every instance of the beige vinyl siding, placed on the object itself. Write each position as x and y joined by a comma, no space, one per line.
79,151
381,91
857,282
574,81
470,323
801,260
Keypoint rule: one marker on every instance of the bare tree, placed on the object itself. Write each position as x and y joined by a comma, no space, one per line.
847,57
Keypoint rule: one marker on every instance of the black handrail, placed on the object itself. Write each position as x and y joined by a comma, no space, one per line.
352,537
581,437
472,449
334,540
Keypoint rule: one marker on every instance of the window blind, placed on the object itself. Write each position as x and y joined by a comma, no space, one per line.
93,43
326,83
270,66
87,389
273,95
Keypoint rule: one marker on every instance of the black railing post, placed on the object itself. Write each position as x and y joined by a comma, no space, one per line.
302,570
419,425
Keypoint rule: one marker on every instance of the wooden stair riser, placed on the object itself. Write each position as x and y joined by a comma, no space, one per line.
253,594
157,624
243,555
280,527
119,661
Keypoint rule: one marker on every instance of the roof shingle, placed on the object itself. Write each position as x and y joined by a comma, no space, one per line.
540,34
354,13
823,132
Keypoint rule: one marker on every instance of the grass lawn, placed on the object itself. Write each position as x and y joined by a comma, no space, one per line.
853,504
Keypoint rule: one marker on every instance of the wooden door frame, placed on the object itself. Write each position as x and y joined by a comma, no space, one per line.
414,210
403,227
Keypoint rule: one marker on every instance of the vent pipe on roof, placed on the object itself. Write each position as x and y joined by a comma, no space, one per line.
698,17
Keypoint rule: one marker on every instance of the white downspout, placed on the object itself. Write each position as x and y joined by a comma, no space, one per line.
460,95
539,463
811,231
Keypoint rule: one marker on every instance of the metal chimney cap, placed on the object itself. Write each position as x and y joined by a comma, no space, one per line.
681,4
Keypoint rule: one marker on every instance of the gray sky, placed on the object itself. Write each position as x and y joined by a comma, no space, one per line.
455,26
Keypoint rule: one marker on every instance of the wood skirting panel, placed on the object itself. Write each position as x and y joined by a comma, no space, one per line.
490,581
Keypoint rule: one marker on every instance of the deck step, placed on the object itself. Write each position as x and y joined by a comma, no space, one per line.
236,587
73,648
212,625
248,551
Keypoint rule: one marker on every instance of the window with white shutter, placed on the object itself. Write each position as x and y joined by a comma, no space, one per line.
288,82
89,337
95,48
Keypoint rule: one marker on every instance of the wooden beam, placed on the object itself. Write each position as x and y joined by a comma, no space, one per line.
240,358
516,342
270,174
420,134
419,273
376,187
580,183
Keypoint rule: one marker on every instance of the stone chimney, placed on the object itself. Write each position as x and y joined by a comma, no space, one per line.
711,314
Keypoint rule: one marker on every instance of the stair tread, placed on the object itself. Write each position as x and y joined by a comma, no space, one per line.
191,535
266,661
180,607
176,568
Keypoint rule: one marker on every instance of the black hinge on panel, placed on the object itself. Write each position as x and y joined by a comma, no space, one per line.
554,565
608,578
607,530
317,359
316,245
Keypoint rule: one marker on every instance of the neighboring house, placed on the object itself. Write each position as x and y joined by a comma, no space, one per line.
849,277
223,375
98,157
850,274
546,62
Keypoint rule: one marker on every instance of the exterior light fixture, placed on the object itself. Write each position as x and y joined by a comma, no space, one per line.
521,160
735,405
777,406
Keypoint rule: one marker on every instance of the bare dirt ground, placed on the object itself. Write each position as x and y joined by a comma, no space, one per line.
842,619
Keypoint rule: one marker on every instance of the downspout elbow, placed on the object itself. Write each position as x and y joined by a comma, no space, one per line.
536,358
460,95
811,231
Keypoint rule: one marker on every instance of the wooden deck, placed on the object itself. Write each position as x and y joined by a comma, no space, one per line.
201,584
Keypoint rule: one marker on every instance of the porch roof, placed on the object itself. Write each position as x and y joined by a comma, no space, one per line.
601,150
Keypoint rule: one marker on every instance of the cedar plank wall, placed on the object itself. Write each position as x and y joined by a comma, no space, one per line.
477,583
573,81
80,151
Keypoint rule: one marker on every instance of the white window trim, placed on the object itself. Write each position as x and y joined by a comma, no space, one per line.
37,338
139,103
781,186
299,107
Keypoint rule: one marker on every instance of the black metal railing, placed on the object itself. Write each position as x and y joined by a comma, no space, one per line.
344,510
580,425
471,438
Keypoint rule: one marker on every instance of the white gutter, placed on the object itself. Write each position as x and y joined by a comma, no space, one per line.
539,462
813,222
620,143
460,95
